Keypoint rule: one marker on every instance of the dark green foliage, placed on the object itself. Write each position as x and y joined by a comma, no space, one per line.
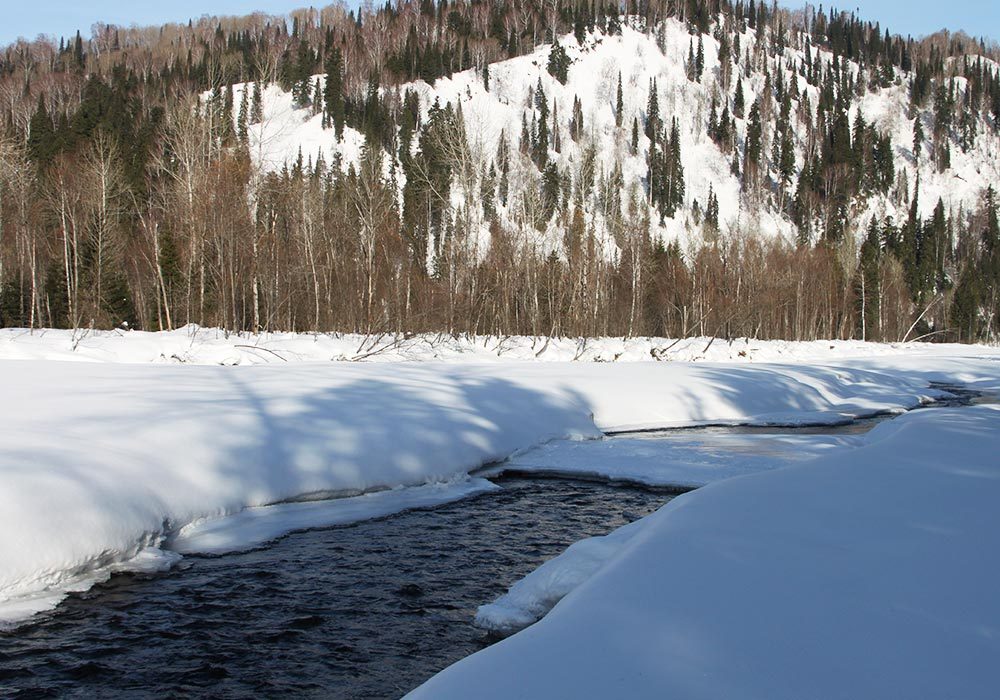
665,172
42,145
918,138
333,98
576,121
699,60
14,305
540,132
558,65
619,103
753,149
653,121
712,210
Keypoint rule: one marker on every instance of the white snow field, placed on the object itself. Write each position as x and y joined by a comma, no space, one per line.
106,462
871,576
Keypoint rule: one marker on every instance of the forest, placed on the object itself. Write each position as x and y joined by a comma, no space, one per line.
132,194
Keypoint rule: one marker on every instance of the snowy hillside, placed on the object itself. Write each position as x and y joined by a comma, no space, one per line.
641,57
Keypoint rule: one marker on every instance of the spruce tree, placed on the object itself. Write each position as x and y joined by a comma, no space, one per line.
551,189
540,147
558,65
256,105
241,120
334,94
652,112
41,135
754,145
503,162
699,60
619,103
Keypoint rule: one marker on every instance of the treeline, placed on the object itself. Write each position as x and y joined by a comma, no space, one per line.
125,198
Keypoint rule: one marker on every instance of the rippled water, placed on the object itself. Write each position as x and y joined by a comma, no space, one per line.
364,611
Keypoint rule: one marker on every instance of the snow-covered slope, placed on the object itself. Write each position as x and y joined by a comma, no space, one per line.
642,57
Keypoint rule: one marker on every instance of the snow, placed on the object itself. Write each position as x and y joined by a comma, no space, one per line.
108,459
868,574
148,560
212,346
254,527
681,460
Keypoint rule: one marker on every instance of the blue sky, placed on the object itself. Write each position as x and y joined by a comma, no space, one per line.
64,17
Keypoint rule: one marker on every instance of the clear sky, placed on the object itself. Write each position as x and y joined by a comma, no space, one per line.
64,17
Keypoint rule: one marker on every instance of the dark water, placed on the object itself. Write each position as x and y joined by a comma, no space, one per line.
364,611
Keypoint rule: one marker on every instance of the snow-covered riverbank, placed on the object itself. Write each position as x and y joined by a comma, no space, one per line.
213,346
103,461
869,574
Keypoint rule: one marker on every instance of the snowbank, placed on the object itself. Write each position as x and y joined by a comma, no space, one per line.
213,346
103,461
868,577
253,527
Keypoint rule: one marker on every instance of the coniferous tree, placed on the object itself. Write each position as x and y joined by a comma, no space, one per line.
699,60
540,145
256,105
551,189
753,148
241,120
334,94
653,123
503,162
619,103
558,65
41,136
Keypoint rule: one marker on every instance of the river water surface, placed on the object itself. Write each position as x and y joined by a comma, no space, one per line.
369,610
